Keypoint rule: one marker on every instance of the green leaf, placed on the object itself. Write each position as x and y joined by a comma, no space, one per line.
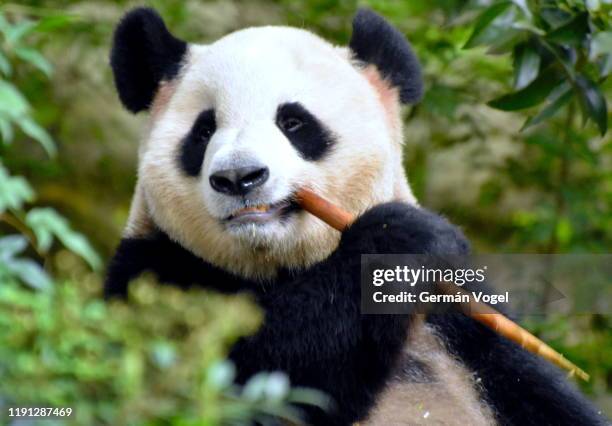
14,191
601,44
593,5
277,387
551,109
12,102
605,66
4,25
502,42
554,16
164,355
17,31
12,245
220,375
26,270
532,95
6,130
573,32
522,4
526,66
34,58
29,272
484,20
528,26
46,223
310,396
566,57
79,245
255,387
38,221
593,102
5,65
32,129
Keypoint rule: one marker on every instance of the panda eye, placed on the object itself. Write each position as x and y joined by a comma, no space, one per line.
206,132
204,126
291,124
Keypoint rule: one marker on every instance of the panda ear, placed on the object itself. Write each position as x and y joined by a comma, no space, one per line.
375,41
144,53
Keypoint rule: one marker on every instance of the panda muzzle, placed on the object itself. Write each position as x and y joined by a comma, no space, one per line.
261,213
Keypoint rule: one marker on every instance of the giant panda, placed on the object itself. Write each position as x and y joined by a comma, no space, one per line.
235,127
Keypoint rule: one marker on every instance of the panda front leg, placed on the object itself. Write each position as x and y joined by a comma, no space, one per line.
168,261
520,387
313,327
132,257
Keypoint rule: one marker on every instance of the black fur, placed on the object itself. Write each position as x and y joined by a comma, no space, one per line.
314,329
375,41
194,144
169,261
523,388
144,53
310,137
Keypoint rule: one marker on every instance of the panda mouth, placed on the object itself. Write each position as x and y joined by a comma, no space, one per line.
263,213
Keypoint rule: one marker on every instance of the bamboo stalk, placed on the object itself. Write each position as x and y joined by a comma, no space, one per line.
328,212
340,219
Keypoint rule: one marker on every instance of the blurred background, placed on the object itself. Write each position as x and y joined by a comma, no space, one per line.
510,142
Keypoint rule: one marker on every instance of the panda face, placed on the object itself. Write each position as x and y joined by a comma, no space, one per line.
246,122
255,140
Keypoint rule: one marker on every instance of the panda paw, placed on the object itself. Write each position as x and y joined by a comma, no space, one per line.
398,228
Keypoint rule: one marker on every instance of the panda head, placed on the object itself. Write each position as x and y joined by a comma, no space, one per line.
237,126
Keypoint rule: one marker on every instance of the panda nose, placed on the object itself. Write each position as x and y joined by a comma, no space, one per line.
239,181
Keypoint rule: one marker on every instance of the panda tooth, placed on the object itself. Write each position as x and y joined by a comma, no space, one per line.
259,208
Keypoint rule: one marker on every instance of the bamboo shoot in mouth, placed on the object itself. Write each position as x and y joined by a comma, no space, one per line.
340,219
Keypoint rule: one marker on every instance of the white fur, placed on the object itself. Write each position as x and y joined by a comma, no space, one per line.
448,396
245,76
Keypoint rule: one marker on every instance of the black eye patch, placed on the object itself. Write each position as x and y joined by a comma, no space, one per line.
193,146
305,132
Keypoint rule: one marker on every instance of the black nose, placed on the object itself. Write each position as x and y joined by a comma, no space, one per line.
239,181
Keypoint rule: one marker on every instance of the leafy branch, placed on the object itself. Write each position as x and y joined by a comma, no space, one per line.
562,53
37,227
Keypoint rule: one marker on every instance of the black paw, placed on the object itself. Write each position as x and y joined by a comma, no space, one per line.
397,228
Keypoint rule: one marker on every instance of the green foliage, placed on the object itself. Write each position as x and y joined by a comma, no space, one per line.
156,360
561,55
485,19
41,223
14,268
15,191
559,48
14,108
46,223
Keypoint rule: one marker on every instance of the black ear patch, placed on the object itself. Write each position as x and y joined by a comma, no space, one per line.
144,53
375,41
